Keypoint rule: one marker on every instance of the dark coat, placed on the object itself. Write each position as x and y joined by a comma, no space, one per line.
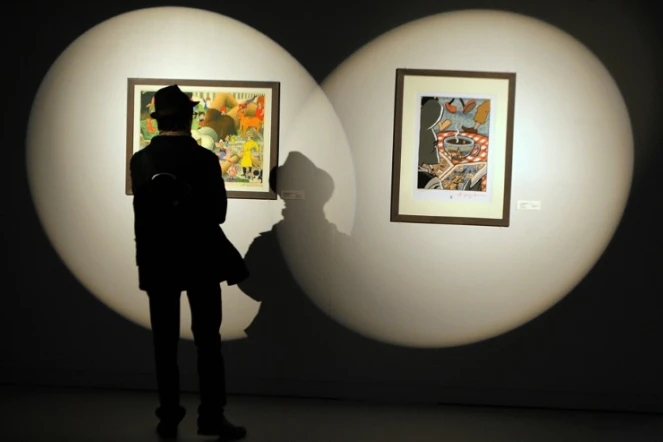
199,251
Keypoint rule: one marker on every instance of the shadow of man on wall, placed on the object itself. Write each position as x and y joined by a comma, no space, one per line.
292,331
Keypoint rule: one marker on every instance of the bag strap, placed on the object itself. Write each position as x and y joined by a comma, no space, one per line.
150,167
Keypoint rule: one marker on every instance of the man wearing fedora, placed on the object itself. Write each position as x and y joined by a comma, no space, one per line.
195,256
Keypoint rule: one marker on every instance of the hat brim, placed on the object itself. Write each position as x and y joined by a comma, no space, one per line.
172,111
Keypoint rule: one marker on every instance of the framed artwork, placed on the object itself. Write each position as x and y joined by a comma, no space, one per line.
453,136
237,120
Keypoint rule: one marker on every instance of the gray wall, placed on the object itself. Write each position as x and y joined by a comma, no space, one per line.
598,348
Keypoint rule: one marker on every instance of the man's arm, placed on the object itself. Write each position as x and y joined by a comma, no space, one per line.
136,171
218,190
136,174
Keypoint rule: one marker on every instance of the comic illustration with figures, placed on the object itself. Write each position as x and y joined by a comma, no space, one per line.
234,122
453,144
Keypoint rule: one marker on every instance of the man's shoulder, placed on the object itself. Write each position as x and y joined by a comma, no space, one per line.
178,151
205,153
138,153
136,156
205,156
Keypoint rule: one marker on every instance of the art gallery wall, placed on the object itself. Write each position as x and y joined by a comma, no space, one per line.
402,320
76,209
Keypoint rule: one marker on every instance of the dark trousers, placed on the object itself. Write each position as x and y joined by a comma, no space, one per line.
206,315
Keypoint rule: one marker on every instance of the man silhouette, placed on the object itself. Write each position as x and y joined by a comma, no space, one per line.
180,246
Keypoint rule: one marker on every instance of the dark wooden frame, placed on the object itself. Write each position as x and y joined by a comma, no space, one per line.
396,158
274,130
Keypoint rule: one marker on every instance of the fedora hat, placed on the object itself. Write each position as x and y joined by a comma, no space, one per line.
171,100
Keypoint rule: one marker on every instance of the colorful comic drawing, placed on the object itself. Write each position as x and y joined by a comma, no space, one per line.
237,120
453,131
453,147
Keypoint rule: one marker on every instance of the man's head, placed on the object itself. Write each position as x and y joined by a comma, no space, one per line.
173,109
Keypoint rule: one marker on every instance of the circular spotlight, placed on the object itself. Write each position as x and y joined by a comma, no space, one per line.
76,152
437,285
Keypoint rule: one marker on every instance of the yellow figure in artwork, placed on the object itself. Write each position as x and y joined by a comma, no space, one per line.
247,155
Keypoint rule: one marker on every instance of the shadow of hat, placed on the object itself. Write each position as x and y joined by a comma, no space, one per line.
170,100
298,172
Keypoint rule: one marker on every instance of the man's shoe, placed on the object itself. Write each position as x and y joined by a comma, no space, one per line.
169,421
222,428
167,430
